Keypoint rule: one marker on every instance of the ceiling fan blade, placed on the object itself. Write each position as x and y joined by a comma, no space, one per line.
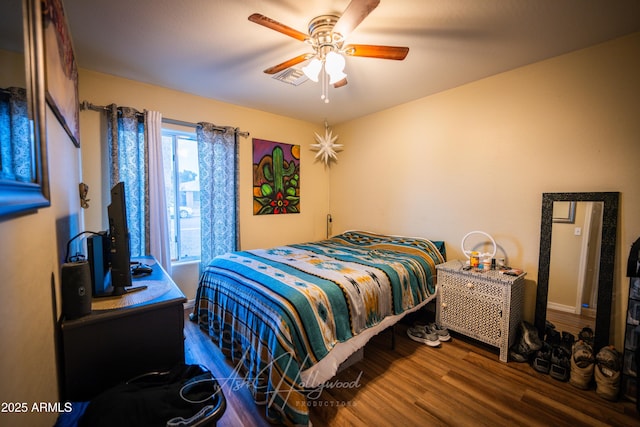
289,63
340,83
353,15
374,51
277,26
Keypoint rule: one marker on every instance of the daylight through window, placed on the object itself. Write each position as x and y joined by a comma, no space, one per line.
181,175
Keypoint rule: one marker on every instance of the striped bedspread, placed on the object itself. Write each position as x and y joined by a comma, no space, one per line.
276,312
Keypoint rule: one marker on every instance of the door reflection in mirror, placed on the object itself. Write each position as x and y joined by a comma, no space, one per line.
574,266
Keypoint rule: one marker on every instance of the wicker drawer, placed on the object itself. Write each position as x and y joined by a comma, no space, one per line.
484,306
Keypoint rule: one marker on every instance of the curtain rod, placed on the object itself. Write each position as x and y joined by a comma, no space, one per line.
86,105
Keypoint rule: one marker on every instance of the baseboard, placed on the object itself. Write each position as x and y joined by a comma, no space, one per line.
561,307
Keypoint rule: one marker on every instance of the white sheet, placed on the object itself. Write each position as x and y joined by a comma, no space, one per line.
324,370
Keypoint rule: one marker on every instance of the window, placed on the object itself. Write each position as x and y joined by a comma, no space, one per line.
181,175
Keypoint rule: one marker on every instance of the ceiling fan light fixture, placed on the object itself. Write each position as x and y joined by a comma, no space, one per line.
334,63
334,66
312,69
335,77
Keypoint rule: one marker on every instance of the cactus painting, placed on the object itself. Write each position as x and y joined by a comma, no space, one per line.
276,177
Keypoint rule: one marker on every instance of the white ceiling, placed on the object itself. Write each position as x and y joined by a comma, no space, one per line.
209,48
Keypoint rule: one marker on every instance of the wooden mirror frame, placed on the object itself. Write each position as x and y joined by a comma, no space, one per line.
607,260
15,196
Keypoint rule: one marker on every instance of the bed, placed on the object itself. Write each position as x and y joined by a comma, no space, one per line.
288,316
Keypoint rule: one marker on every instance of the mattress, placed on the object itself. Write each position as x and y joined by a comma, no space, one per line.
288,316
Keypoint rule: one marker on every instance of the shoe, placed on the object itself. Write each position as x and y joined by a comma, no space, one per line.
433,328
418,334
527,343
519,352
548,325
586,335
582,365
542,360
607,373
529,335
441,333
553,338
560,368
567,341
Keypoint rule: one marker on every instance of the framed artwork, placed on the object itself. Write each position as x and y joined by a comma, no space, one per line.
276,177
61,71
564,211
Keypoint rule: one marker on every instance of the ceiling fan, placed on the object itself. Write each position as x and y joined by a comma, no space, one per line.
327,34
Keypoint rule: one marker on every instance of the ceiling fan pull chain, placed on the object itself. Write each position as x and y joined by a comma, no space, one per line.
325,86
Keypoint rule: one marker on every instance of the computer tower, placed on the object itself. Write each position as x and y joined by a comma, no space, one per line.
98,256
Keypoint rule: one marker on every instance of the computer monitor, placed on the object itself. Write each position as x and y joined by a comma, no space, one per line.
109,251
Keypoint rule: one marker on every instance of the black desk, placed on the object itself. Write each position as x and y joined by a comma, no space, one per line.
123,337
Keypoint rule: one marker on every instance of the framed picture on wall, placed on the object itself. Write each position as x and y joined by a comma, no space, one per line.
61,71
276,178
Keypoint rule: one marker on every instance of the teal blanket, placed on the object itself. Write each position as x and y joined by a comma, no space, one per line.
276,312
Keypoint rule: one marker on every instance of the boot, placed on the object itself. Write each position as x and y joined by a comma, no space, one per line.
607,373
582,365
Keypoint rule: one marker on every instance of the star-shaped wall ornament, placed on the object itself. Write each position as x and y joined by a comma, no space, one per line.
326,147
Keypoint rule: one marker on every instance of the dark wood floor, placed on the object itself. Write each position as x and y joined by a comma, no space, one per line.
462,383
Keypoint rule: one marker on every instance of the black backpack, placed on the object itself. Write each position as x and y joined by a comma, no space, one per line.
185,396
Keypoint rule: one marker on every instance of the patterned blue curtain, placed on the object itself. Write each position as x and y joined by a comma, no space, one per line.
15,136
218,158
129,164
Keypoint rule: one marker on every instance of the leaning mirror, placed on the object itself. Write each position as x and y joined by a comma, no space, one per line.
576,264
23,164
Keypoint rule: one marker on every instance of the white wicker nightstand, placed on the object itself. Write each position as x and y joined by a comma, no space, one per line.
485,306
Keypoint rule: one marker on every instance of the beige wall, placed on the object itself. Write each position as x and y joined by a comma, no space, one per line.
12,70
31,253
479,157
